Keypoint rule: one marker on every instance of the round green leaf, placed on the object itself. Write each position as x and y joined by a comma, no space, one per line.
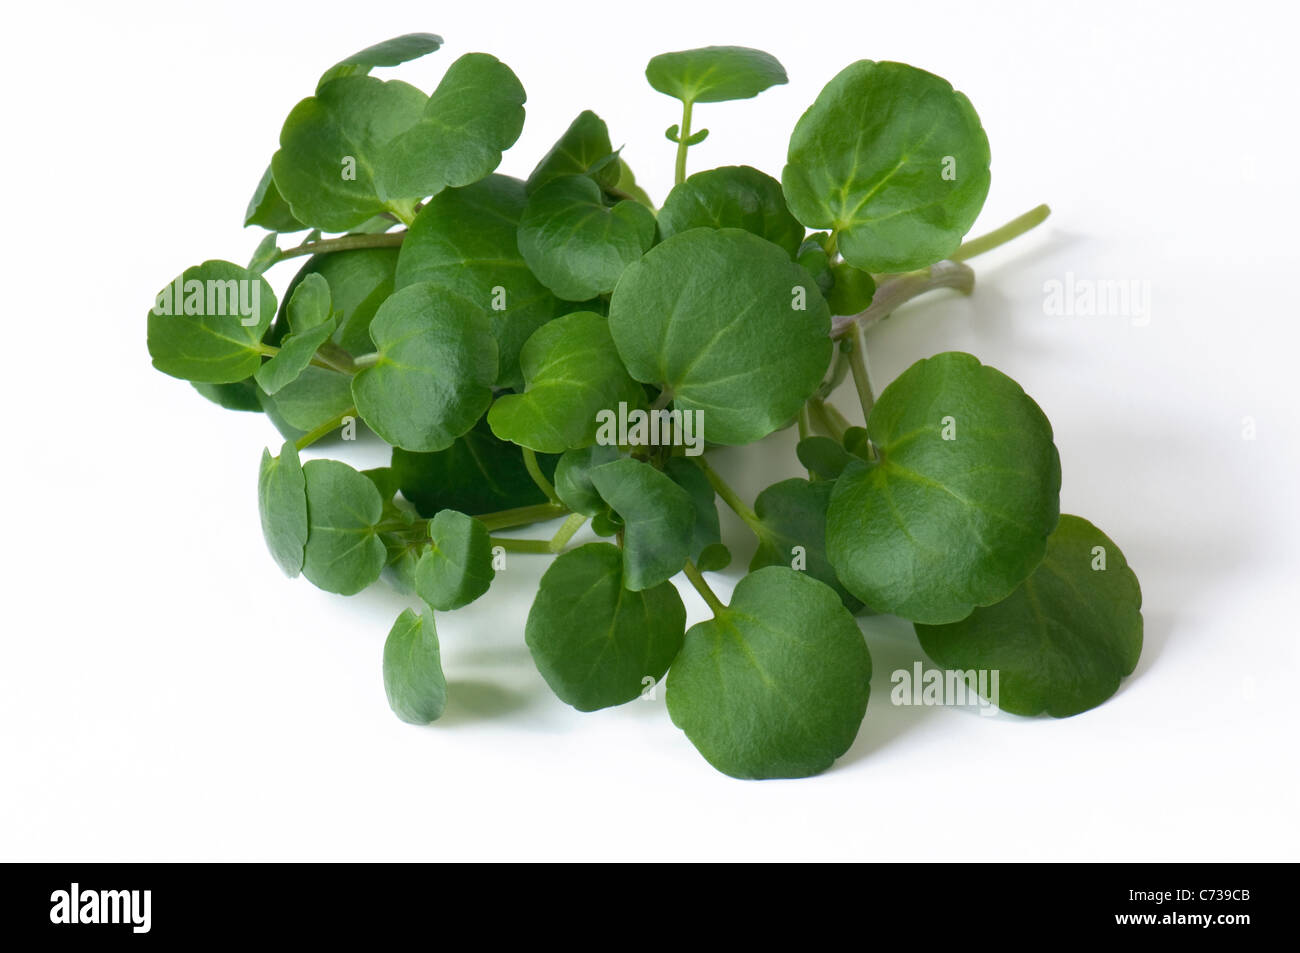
433,378
823,457
208,324
575,244
464,241
344,554
325,167
312,399
573,478
413,679
776,685
457,568
852,290
583,145
571,372
894,160
282,505
729,324
732,197
956,511
1063,641
792,532
475,114
393,52
714,74
595,641
658,520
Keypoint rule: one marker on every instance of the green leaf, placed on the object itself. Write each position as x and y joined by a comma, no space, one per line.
957,510
573,483
457,568
265,254
852,290
571,372
583,144
296,352
894,160
434,375
329,145
241,395
475,114
714,316
413,679
344,553
1063,641
732,197
313,398
776,685
596,641
576,245
310,304
268,208
282,505
792,532
627,185
359,282
706,532
394,52
464,241
658,518
477,474
714,74
823,456
208,324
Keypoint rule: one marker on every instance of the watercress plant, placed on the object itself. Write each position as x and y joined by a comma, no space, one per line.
559,349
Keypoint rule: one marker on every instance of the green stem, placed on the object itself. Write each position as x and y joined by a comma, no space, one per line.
697,580
535,471
365,360
683,134
805,423
837,419
731,498
542,546
861,379
566,531
897,290
1000,236
521,516
342,243
822,420
307,439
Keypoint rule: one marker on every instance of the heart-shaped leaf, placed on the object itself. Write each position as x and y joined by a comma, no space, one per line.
956,511
776,684
282,505
658,519
457,568
597,642
575,244
344,553
1063,641
732,197
464,241
413,679
433,377
714,74
393,52
729,325
208,324
894,160
571,372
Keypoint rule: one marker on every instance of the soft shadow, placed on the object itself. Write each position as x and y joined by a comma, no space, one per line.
472,702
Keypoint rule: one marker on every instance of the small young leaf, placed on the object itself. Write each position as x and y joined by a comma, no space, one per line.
573,479
359,282
732,197
894,160
658,519
295,355
457,568
344,554
576,245
823,456
434,375
475,114
714,74
282,505
394,52
729,325
329,145
776,684
583,144
956,511
464,241
852,289
595,640
1063,641
208,324
310,303
413,679
268,208
265,254
571,372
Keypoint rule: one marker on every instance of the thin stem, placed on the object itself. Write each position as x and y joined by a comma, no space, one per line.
522,516
683,134
858,366
307,439
342,243
535,471
899,289
1000,236
697,580
805,423
731,498
837,419
822,421
566,531
521,545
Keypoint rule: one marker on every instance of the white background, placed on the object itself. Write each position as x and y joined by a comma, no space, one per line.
166,694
